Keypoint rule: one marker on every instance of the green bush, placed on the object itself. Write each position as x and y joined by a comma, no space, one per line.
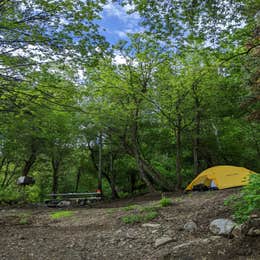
9,196
248,201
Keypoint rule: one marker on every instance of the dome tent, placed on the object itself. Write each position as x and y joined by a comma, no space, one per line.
221,177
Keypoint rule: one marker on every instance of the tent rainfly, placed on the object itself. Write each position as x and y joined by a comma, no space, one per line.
221,177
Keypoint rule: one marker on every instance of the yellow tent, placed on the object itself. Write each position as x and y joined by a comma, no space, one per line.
222,177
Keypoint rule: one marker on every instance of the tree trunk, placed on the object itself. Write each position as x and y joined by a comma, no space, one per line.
113,177
78,179
132,182
142,172
111,181
100,163
145,169
178,153
29,163
55,174
196,141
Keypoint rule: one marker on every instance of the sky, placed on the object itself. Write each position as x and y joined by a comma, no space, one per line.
116,23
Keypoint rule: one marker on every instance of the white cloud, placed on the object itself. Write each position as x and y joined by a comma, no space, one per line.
116,10
121,34
119,59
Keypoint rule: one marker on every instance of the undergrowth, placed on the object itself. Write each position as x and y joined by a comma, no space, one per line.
248,201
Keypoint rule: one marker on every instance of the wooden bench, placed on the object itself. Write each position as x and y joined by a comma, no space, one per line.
69,199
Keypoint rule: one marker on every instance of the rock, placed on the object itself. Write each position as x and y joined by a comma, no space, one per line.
64,203
237,231
151,225
190,226
118,231
253,232
197,241
163,240
254,221
222,226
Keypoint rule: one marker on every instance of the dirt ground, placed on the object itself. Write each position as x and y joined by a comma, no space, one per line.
99,233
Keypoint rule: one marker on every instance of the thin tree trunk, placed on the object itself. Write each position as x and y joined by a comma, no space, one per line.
100,163
55,175
110,181
132,182
113,177
78,179
178,153
196,141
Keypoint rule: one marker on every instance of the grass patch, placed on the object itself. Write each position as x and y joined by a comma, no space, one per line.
112,210
165,202
62,214
144,213
138,218
150,208
131,207
24,218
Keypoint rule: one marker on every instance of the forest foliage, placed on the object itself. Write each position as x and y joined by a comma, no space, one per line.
185,98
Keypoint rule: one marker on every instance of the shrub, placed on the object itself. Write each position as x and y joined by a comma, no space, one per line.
248,201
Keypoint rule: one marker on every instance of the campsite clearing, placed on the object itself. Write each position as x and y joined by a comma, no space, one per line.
99,233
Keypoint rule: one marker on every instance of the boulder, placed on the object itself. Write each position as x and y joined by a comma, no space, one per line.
190,226
222,226
163,240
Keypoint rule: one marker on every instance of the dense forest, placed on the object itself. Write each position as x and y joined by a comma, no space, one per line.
147,113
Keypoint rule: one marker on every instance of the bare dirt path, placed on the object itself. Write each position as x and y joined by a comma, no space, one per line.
99,233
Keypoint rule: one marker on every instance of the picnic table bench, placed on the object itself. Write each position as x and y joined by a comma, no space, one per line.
68,199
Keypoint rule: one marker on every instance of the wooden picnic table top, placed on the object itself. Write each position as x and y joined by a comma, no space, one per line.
74,194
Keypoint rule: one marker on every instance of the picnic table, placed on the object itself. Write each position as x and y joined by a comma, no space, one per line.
68,199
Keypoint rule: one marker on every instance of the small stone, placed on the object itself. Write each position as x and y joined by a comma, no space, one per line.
214,238
118,231
190,226
221,226
162,241
151,225
237,231
253,232
154,231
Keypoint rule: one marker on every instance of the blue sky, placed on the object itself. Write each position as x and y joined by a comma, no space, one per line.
116,23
